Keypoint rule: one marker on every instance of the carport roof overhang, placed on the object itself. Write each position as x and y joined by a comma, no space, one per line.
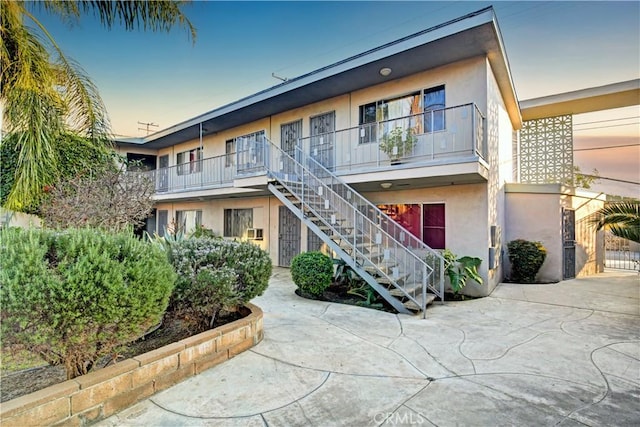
473,35
616,95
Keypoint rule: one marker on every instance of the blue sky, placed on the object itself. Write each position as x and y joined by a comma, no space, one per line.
552,47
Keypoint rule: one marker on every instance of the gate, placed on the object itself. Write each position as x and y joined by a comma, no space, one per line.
289,236
569,243
621,253
322,138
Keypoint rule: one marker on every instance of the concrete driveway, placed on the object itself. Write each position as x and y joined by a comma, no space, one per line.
529,355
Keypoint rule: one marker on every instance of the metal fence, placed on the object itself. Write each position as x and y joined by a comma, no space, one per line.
621,253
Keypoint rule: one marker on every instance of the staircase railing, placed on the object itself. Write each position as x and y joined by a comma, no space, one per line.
374,240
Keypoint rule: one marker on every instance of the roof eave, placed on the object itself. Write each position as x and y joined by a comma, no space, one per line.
472,35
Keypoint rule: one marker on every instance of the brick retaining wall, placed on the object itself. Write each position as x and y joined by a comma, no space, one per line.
100,394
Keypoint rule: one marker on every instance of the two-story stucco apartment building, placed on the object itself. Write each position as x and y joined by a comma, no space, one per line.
379,158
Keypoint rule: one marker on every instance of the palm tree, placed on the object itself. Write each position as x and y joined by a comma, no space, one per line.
622,219
46,94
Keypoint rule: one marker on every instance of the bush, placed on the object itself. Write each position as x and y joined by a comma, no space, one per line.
216,274
526,259
312,272
75,296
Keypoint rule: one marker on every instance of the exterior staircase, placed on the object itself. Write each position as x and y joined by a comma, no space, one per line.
402,269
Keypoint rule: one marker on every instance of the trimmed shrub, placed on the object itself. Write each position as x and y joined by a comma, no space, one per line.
76,296
216,275
312,272
526,259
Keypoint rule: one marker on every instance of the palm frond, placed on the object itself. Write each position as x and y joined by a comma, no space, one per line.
32,107
44,93
622,219
85,111
155,15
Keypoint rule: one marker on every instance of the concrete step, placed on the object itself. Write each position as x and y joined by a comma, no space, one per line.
411,288
415,307
402,277
380,265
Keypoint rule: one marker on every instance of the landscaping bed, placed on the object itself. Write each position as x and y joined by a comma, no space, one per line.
16,383
106,391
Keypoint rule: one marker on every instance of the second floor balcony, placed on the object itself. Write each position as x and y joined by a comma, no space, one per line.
434,138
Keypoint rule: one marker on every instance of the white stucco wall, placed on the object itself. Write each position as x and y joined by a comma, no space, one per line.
534,212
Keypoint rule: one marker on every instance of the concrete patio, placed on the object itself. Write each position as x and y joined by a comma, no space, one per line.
529,355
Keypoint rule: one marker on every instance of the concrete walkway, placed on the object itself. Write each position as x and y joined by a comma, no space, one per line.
529,355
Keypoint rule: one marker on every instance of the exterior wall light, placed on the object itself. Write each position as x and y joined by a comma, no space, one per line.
386,185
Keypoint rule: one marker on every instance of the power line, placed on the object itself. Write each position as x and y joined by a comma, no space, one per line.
605,148
607,120
603,127
611,179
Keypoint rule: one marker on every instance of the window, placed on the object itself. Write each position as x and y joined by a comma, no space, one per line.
368,119
411,216
407,215
400,107
163,221
237,221
189,161
230,152
433,225
394,112
188,220
434,109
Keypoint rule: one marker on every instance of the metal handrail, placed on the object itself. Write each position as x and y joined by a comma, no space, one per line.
209,172
333,194
457,130
455,107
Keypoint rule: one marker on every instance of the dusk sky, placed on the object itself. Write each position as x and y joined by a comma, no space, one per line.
552,47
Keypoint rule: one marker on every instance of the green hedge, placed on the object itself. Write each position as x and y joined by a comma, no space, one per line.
312,272
526,259
77,295
216,274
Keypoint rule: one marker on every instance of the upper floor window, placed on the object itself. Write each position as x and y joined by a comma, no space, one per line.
230,152
434,109
189,161
368,119
378,118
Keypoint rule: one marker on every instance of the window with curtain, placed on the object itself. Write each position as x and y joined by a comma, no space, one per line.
407,215
237,221
230,152
401,112
189,220
189,161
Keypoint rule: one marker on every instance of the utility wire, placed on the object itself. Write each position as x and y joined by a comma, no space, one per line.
603,127
607,120
610,179
605,148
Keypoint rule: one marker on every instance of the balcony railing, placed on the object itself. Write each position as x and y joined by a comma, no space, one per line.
438,136
199,174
